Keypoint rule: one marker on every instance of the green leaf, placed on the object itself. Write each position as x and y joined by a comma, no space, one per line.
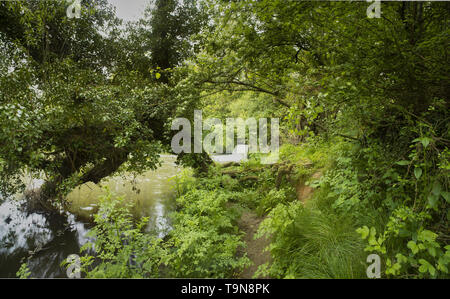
432,201
427,235
402,163
432,270
363,231
401,258
442,265
432,251
158,75
425,141
413,246
426,267
404,232
423,268
388,262
446,195
418,172
437,188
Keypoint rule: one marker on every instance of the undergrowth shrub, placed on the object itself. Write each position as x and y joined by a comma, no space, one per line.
309,243
122,248
204,241
205,237
398,195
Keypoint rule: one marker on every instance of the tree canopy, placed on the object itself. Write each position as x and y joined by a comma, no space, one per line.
79,97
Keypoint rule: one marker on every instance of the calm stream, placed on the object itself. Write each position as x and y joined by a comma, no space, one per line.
47,242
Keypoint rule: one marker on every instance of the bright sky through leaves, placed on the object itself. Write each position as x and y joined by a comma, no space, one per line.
129,10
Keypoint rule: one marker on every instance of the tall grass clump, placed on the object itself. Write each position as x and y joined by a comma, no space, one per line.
310,243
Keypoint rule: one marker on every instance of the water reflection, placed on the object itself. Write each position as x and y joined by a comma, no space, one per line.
151,195
47,240
42,240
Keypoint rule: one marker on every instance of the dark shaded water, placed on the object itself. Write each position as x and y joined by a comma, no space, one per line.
46,241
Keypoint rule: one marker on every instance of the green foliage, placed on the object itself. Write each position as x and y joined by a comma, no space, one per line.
271,200
122,248
75,103
23,272
203,242
309,243
205,236
367,99
183,181
411,240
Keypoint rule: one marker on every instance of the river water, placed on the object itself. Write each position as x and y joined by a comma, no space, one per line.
45,242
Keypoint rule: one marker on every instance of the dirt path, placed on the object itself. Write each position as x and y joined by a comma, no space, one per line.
305,192
249,223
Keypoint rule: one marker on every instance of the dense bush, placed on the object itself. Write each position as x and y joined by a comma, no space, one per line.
203,242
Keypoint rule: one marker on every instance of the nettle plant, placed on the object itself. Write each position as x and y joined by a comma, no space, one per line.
414,242
423,254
